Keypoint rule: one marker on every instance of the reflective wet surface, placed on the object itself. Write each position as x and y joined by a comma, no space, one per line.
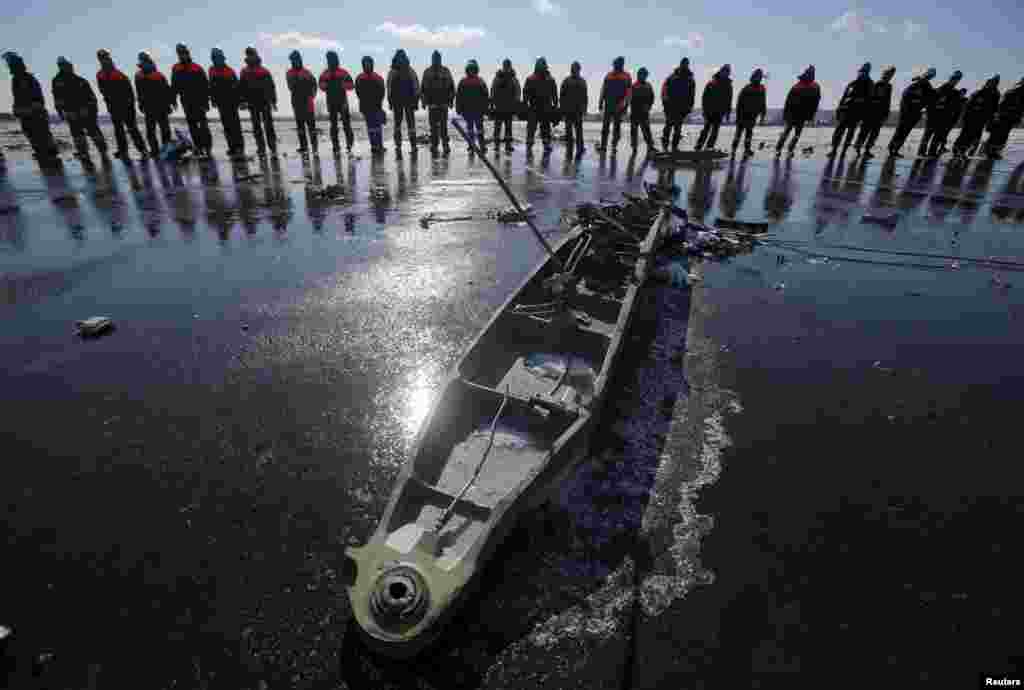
808,455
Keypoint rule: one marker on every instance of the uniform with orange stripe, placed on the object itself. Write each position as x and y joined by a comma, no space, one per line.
191,87
303,86
613,101
751,104
260,94
120,99
155,99
716,104
224,94
471,102
336,82
801,107
370,90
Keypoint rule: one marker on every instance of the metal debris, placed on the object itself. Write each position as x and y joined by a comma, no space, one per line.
94,326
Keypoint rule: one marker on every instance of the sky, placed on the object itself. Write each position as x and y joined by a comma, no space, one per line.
835,36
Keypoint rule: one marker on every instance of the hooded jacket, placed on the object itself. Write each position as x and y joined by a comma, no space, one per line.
117,92
855,99
303,88
506,93
982,105
540,93
752,103
946,106
917,96
190,86
802,101
28,95
717,99
881,102
403,84
438,87
370,91
679,91
71,94
1011,107
615,90
257,86
223,87
471,97
336,82
573,95
155,97
641,100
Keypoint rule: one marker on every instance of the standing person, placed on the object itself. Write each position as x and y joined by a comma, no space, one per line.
506,97
677,98
876,113
944,105
336,82
613,101
370,91
260,94
751,104
574,100
403,98
438,95
801,107
120,99
303,86
641,100
75,101
224,92
471,100
540,93
30,108
155,102
1008,116
980,109
716,103
191,87
852,108
915,99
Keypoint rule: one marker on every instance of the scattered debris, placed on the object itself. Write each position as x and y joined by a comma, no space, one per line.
66,199
94,326
8,208
331,191
748,225
380,193
887,220
431,218
808,150
250,178
675,274
511,215
885,370
780,286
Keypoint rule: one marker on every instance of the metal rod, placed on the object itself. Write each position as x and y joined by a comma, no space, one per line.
515,202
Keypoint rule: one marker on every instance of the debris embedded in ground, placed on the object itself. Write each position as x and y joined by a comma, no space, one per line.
94,326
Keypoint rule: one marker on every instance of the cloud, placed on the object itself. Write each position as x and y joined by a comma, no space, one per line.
547,7
298,39
911,29
849,22
879,28
451,36
694,41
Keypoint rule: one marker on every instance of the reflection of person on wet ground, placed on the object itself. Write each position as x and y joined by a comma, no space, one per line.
976,190
150,201
1011,197
717,104
379,191
978,112
876,113
107,199
277,198
316,209
916,97
778,199
853,182
946,199
884,189
75,102
246,197
219,214
184,204
64,198
702,192
918,184
853,106
30,108
734,193
801,107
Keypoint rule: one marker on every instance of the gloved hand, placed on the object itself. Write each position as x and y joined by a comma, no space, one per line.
273,107
141,110
174,106
60,115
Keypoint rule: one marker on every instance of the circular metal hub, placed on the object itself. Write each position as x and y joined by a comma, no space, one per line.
399,596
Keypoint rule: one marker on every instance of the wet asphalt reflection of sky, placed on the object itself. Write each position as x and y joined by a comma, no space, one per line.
181,488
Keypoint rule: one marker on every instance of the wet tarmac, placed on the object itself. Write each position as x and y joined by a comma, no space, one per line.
811,465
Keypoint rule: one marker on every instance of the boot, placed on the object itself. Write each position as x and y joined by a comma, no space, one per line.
482,143
832,153
868,155
446,147
748,152
735,145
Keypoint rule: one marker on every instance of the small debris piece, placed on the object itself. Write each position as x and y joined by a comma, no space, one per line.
748,225
889,221
250,178
94,326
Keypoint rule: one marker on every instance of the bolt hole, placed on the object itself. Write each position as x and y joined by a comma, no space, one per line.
397,590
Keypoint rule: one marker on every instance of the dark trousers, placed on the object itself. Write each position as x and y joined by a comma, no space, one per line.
409,115
935,139
199,128
305,121
998,136
475,128
743,128
263,119
574,130
908,120
797,128
674,129
612,119
342,114
868,135
643,124
970,135
36,129
535,118
847,125
232,125
82,126
152,121
505,120
709,135
438,117
126,121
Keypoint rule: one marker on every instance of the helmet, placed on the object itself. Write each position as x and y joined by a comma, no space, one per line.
956,76
865,68
758,75
332,57
472,67
61,61
541,65
102,54
619,62
642,73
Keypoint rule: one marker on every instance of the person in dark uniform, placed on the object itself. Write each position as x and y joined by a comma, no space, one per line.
30,108
75,102
801,107
876,113
574,100
944,105
1008,116
950,119
471,101
980,109
852,108
641,100
370,90
677,97
336,82
540,93
120,99
716,104
155,102
506,100
613,101
258,91
191,87
303,88
751,104
403,98
915,99
224,92
438,95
